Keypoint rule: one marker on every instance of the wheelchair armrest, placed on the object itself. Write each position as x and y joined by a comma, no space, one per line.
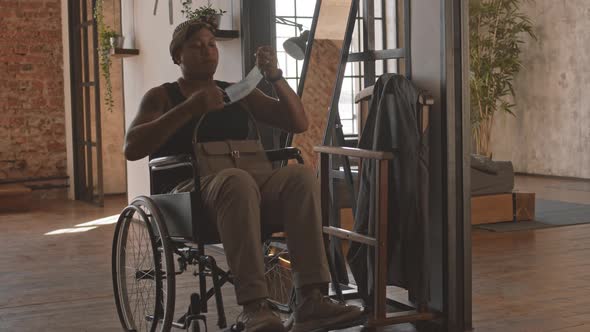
170,162
353,152
284,154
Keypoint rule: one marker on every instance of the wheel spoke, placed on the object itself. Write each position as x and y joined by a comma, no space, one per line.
140,298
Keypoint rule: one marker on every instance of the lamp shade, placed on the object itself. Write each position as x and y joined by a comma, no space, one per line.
295,46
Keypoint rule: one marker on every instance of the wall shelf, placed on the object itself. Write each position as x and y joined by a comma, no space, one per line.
222,35
124,52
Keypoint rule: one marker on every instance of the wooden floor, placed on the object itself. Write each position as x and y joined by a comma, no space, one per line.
534,280
558,189
522,281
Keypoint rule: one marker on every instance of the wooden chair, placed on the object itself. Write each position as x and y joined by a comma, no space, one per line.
379,315
321,82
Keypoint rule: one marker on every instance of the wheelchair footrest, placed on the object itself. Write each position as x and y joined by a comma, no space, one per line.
239,327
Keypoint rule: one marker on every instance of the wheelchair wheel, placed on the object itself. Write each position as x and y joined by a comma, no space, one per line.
279,280
143,269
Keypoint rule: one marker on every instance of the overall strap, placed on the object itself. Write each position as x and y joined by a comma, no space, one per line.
174,93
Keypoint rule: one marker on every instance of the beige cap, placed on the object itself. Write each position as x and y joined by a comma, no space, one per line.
181,33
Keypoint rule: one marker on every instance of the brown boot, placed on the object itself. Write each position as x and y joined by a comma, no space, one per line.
315,312
258,317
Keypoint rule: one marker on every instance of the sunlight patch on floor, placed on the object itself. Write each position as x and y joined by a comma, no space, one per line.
87,226
100,222
71,230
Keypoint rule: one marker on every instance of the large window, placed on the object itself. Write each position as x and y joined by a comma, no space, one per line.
301,12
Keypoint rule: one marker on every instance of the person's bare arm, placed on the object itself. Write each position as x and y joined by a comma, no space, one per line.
152,126
287,112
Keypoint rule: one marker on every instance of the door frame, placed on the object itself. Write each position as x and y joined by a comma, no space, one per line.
457,134
81,125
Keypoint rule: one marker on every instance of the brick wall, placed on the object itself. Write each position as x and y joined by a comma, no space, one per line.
32,120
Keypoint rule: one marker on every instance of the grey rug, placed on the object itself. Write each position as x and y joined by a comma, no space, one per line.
548,214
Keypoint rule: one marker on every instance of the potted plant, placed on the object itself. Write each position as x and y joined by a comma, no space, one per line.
497,31
206,13
116,40
108,39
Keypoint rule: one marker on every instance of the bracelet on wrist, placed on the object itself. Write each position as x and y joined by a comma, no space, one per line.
276,77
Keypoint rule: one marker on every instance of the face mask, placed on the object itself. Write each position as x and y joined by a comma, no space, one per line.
243,88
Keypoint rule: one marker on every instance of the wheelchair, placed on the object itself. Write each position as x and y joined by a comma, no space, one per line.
161,236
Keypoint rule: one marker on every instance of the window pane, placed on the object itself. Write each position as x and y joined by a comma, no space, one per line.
348,127
346,98
293,83
358,69
346,105
355,45
306,22
285,7
285,31
349,70
378,9
305,7
391,65
358,85
282,57
378,68
379,35
359,36
291,67
280,42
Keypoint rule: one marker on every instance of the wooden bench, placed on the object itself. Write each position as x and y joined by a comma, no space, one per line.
15,198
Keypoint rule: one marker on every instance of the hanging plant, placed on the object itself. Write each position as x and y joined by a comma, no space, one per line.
497,31
206,13
105,34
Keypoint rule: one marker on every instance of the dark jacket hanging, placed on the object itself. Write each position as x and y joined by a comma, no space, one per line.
393,125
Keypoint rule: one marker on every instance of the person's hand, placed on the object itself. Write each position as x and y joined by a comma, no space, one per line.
208,98
266,60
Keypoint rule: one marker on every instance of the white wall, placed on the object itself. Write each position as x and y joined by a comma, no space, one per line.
551,130
151,35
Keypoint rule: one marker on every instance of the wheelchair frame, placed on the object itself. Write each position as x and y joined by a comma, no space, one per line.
186,237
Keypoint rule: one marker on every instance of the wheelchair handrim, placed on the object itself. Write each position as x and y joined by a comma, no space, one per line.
159,271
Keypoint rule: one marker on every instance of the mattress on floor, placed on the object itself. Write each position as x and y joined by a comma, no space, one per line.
491,177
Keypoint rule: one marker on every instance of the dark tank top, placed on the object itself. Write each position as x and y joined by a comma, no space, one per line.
230,123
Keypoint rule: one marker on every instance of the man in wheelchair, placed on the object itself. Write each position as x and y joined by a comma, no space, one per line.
242,204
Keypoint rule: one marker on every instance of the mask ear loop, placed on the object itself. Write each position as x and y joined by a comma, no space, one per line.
226,101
